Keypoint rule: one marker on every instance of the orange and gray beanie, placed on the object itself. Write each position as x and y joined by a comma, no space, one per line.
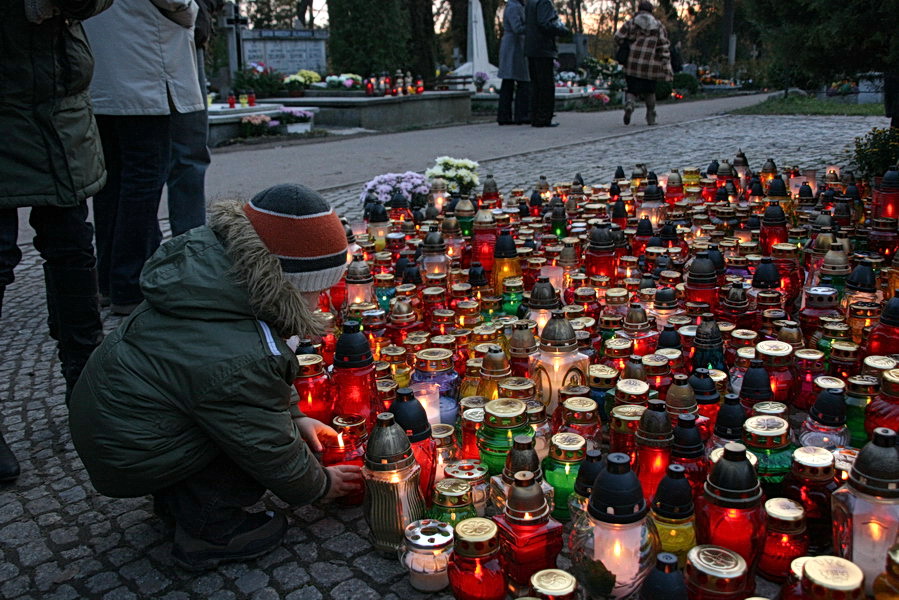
301,229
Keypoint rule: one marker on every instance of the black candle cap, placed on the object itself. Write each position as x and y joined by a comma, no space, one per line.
674,496
687,439
305,347
588,472
777,188
669,338
731,416
876,469
619,209
399,200
536,199
702,269
505,245
412,274
704,387
890,314
619,172
410,415
477,276
829,408
712,169
378,214
766,276
644,227
352,349
617,496
732,481
665,580
756,382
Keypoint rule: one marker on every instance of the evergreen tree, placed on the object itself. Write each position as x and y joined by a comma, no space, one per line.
368,36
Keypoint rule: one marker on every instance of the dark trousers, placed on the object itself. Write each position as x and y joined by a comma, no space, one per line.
517,93
63,237
137,150
543,89
187,177
190,159
209,504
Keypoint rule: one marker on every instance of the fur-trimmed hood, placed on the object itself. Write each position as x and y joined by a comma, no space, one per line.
223,271
645,20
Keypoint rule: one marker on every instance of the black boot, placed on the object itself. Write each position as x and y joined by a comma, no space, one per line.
9,466
73,310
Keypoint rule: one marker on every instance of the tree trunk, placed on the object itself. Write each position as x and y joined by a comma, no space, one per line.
421,38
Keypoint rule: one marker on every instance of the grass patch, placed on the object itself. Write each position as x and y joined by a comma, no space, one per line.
800,105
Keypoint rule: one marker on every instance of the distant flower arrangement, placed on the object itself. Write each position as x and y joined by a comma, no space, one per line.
461,174
258,125
302,79
294,115
480,78
348,81
410,184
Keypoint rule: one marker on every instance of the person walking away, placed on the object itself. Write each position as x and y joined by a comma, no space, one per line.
146,71
191,399
51,161
542,27
186,185
513,68
649,60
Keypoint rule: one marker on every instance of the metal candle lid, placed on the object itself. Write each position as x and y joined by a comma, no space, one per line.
388,447
428,534
766,432
567,447
476,537
469,470
833,573
452,493
310,365
553,583
433,360
520,388
812,462
602,376
441,431
505,413
525,502
580,410
774,348
716,568
631,391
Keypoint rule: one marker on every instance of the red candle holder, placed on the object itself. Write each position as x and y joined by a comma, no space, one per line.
348,448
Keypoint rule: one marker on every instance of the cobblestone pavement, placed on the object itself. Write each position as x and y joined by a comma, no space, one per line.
59,539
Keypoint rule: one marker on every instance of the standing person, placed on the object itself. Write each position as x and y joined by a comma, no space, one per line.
891,97
51,160
191,398
542,26
146,71
649,60
513,68
190,155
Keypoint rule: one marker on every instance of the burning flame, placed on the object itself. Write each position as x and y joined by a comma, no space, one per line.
340,440
527,516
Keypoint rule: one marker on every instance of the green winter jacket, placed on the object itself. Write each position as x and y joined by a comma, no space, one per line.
51,153
201,367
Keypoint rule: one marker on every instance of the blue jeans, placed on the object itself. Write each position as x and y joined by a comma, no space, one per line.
190,159
137,150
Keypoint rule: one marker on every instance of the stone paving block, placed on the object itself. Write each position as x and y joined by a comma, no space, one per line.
355,589
120,593
348,544
9,511
275,557
207,584
251,581
222,595
381,570
17,534
326,528
101,582
266,594
63,592
48,575
34,553
306,593
290,577
329,573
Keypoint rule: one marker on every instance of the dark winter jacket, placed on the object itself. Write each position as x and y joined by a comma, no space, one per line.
201,367
51,153
650,50
541,27
513,64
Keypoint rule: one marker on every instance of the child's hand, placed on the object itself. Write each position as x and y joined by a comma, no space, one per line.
345,479
313,431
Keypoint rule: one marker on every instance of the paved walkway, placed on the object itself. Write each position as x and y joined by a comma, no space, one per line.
59,539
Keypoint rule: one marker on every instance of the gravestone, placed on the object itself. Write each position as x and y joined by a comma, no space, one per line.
286,51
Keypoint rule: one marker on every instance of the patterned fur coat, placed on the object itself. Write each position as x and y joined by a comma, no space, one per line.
650,55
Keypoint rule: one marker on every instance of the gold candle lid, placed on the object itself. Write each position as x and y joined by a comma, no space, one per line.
619,347
310,365
765,426
442,430
813,456
826,382
774,348
797,565
809,354
833,573
476,537
628,412
632,387
719,568
473,402
784,509
602,376
743,334
452,492
568,447
475,415
672,354
553,582
434,359
880,363
769,408
505,413
579,404
746,352
517,387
